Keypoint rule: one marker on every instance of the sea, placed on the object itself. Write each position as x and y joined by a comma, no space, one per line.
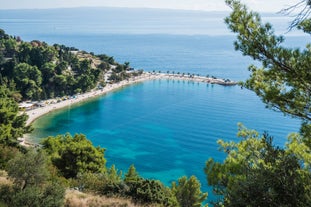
166,128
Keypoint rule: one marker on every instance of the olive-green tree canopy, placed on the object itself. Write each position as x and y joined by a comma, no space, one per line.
73,155
33,183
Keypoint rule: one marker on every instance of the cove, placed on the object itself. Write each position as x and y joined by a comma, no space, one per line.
166,128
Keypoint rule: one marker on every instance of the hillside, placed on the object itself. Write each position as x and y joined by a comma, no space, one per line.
38,71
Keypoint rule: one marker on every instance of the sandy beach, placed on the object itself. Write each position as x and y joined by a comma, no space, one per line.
54,105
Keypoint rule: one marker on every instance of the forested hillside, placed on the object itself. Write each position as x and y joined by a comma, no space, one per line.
40,176
38,71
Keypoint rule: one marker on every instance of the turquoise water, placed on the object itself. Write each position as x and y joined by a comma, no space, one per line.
166,128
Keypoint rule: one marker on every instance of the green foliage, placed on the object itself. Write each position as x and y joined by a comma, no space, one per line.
109,183
10,46
33,185
6,154
131,176
53,194
73,155
27,197
114,184
5,195
107,59
152,191
41,71
89,182
114,77
305,26
297,145
36,53
119,68
34,196
28,79
29,169
255,173
283,81
147,191
131,179
12,124
188,192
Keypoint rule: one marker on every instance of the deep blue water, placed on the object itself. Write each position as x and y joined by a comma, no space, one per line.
166,128
184,41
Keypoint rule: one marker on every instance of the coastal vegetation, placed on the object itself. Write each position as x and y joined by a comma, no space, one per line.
74,155
12,124
38,71
33,182
40,176
254,172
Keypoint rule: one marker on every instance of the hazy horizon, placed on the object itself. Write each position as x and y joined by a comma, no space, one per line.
132,21
196,5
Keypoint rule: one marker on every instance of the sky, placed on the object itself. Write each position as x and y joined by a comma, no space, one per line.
206,5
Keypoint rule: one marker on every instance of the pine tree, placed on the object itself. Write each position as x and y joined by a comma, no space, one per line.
12,123
188,192
255,173
283,81
131,175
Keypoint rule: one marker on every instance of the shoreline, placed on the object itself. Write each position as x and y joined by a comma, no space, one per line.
36,113
53,105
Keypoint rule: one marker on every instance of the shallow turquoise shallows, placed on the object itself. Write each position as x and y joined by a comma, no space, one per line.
166,128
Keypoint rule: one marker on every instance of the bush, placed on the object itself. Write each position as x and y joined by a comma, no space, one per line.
6,154
33,185
73,155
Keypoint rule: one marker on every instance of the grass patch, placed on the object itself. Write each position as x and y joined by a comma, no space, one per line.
78,199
